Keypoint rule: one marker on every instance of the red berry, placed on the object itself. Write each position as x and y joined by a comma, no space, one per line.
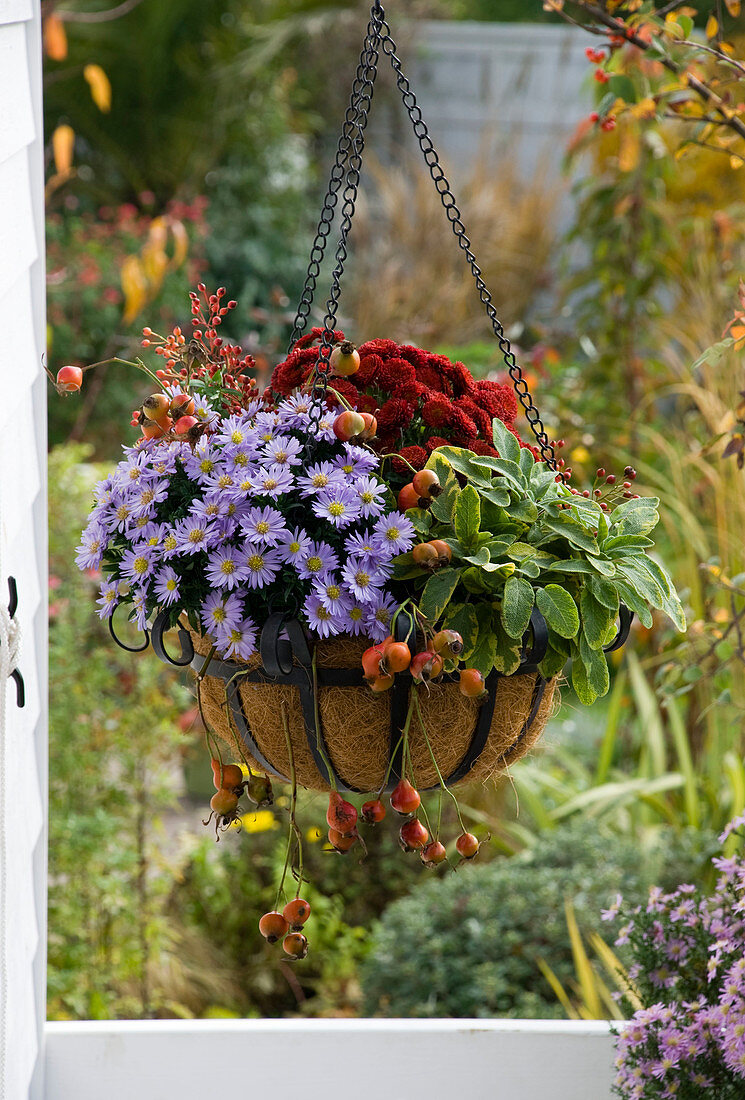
348,425
443,550
467,845
426,666
371,426
413,835
69,379
472,683
181,405
296,913
611,479
345,359
295,945
371,659
381,683
224,802
425,554
405,798
427,484
342,842
608,124
373,811
273,926
341,815
397,657
408,498
601,76
433,854
448,643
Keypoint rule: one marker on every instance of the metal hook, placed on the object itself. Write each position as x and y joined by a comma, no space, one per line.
16,674
120,643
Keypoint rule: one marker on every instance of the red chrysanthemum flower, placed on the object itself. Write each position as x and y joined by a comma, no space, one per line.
384,348
315,335
416,456
481,447
497,400
413,392
394,373
434,442
367,403
462,379
287,376
479,416
432,378
395,415
416,356
461,428
370,366
437,411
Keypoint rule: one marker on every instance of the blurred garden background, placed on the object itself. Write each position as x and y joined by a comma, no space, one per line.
189,142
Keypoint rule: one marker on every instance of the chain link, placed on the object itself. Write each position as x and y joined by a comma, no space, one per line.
347,168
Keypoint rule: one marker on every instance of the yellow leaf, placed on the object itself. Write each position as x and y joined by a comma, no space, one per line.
155,264
100,87
134,286
55,38
180,243
736,162
712,26
63,143
157,234
629,149
645,108
733,7
728,48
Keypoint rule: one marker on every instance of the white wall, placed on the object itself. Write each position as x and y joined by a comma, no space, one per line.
22,548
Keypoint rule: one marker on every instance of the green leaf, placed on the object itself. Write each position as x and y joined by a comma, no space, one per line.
474,580
670,602
507,653
596,665
526,461
524,510
558,609
505,442
517,604
484,652
421,519
467,515
462,617
604,592
622,87
572,530
635,517
625,542
510,471
556,657
437,592
481,557
634,602
465,462
573,565
596,619
602,565
498,496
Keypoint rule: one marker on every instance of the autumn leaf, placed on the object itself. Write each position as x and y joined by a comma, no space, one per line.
55,38
100,87
733,7
134,286
629,149
712,26
63,143
180,243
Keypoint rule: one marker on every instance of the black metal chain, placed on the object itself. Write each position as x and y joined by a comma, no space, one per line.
366,73
350,152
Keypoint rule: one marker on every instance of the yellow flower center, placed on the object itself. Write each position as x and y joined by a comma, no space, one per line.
142,521
392,533
95,545
134,473
224,481
140,565
236,436
245,485
262,527
169,542
333,591
110,596
206,465
255,562
236,635
241,459
320,481
362,578
231,509
336,509
146,496
355,614
196,535
348,469
266,437
322,613
122,511
294,547
171,584
212,509
315,564
280,457
270,483
383,616
367,497
219,615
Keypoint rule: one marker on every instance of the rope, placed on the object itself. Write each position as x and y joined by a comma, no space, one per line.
10,646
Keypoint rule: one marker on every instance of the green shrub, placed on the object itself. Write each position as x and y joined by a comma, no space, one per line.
467,945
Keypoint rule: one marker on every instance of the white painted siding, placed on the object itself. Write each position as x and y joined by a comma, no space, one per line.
22,550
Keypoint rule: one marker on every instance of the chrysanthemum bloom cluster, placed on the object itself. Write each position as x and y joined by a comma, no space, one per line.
245,523
421,400
689,972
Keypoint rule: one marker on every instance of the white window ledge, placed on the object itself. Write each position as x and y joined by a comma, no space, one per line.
313,1059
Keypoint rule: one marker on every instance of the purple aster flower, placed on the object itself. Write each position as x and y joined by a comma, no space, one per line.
236,430
202,462
221,480
93,542
120,513
356,461
372,493
139,608
238,640
108,599
332,595
394,534
293,545
320,476
337,504
169,543
263,526
272,482
212,506
361,546
221,610
378,615
266,426
283,450
353,619
261,565
194,534
226,567
362,580
138,563
325,428
166,586
318,560
149,494
320,619
294,410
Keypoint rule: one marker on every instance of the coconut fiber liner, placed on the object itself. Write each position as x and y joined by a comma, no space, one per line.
356,723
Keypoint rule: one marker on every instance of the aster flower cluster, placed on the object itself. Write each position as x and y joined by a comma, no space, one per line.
688,1039
421,400
244,523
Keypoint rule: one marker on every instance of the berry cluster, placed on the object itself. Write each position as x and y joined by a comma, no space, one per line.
288,927
231,782
608,489
420,400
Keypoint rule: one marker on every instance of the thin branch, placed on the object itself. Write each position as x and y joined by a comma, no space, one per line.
99,16
619,28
